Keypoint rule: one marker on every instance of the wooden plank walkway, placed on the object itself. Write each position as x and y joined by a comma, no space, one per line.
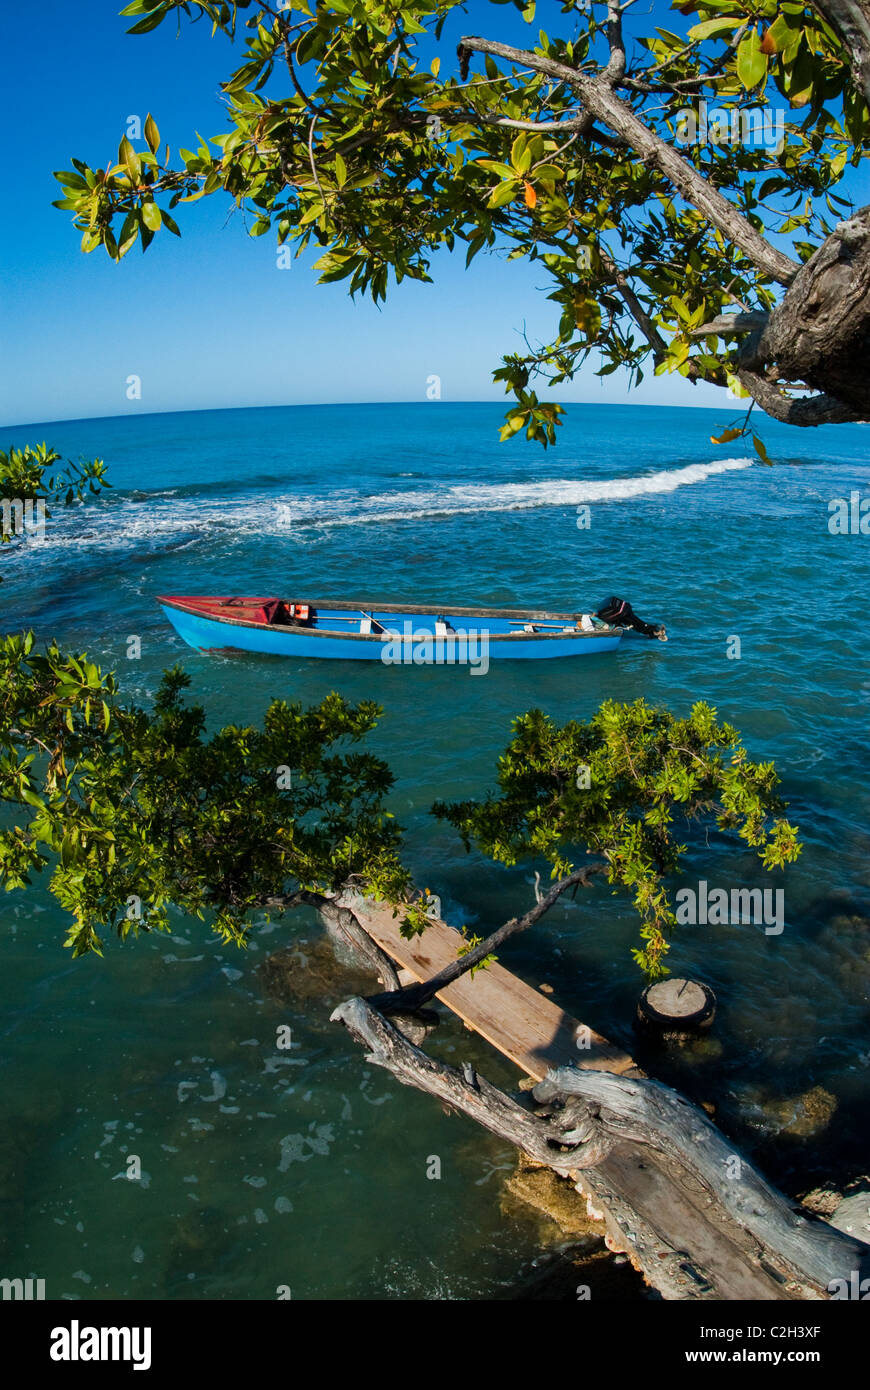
652,1208
521,1022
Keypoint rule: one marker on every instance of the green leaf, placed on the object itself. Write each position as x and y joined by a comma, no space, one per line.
152,134
761,451
736,387
129,233
149,22
311,45
130,159
504,193
587,315
476,244
751,62
721,24
521,154
151,216
548,172
513,425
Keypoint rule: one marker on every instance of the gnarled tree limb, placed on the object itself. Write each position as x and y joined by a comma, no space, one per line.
465,1091
804,411
820,333
601,101
696,1218
649,1113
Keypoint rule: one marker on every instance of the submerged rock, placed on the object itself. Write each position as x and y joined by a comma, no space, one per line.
554,1197
575,1264
801,1116
416,1026
309,970
810,1113
822,1200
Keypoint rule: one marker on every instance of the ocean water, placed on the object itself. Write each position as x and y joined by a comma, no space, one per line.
307,1168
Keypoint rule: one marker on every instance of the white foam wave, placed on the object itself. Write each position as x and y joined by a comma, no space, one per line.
183,523
499,497
564,492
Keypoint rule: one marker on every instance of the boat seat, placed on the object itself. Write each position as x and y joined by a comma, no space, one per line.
368,623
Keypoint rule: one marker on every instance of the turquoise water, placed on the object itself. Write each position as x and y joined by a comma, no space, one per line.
307,1168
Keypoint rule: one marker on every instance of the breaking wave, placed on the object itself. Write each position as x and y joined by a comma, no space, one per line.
137,518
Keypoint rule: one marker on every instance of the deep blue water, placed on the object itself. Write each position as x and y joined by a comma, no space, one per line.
310,1170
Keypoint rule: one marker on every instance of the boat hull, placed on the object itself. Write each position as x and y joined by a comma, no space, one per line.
410,636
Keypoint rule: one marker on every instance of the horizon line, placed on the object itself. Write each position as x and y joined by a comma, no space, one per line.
348,405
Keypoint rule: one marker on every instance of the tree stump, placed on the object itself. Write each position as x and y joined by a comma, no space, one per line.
676,1006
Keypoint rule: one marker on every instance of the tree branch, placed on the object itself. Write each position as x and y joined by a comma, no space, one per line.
653,1115
732,325
638,313
414,995
362,945
470,1093
605,106
615,70
659,1173
575,125
311,156
806,411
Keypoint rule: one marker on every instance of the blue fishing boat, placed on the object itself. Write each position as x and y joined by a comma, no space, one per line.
396,634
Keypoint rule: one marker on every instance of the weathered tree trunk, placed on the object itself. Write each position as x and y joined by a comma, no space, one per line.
462,1090
692,1214
820,334
649,1113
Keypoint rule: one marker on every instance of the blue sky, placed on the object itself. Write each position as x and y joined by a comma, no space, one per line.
210,320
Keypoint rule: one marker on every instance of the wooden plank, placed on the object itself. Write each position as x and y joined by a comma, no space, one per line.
521,1022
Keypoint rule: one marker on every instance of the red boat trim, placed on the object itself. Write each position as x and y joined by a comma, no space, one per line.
368,605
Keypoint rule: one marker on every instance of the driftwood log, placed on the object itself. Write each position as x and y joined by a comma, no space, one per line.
674,1194
693,1215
